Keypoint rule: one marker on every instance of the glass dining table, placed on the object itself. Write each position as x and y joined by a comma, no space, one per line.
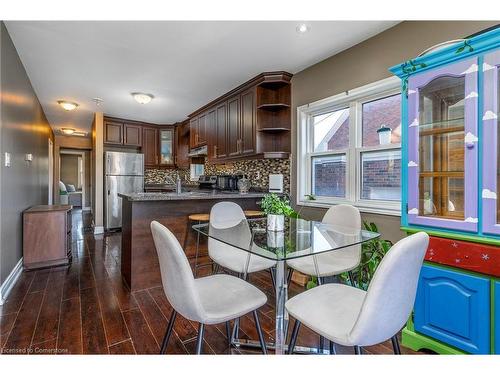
300,238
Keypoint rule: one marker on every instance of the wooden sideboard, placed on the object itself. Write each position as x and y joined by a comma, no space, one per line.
46,236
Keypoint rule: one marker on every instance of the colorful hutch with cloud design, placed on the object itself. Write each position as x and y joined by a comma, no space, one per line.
450,147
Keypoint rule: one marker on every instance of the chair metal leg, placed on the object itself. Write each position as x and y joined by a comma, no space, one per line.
289,277
199,339
228,331
320,281
293,339
395,344
259,332
351,279
168,333
197,251
358,350
321,344
332,348
273,278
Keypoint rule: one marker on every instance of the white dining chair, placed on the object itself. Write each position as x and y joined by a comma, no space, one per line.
225,215
352,317
334,262
207,300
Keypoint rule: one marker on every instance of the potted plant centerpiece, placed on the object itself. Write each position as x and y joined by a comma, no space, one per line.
276,208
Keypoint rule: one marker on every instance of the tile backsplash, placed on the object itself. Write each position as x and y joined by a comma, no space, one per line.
257,170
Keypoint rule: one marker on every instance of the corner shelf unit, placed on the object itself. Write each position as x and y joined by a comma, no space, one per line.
273,107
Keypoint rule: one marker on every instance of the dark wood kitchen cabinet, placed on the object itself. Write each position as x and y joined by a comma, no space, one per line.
132,135
247,124
251,121
233,126
113,132
220,129
150,146
193,132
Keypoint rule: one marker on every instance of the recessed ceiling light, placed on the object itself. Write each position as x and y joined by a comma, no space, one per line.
303,28
68,106
67,131
142,98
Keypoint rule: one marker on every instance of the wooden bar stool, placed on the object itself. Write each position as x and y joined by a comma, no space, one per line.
198,218
254,213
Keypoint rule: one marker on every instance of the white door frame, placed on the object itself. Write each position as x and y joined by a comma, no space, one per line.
84,187
51,172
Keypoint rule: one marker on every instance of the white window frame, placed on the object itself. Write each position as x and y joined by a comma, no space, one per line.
354,100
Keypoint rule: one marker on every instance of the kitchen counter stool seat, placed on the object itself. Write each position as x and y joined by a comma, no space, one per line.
198,219
208,300
254,213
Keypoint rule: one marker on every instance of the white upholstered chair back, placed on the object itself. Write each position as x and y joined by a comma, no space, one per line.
391,294
228,215
176,275
347,216
344,215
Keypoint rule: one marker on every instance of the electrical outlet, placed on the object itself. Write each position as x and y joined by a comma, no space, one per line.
7,159
28,157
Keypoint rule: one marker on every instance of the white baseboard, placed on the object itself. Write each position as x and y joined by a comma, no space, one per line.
98,230
10,281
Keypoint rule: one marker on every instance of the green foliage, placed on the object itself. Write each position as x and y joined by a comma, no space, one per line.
372,253
465,47
310,197
272,204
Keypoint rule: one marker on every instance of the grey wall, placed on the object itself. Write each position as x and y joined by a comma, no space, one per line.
365,63
23,129
69,169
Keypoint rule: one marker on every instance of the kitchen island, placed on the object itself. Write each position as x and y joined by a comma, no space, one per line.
139,261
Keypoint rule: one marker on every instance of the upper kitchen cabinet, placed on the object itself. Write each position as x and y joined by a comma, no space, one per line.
113,132
198,130
132,135
182,145
253,120
166,147
150,146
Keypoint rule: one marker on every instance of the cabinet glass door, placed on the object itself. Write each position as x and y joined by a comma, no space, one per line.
442,152
166,147
491,136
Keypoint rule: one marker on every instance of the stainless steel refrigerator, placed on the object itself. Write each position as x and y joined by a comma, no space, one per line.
124,173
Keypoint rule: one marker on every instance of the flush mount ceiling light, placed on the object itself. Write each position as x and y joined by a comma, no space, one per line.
68,106
302,28
142,98
67,131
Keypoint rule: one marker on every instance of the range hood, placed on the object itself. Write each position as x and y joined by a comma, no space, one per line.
199,151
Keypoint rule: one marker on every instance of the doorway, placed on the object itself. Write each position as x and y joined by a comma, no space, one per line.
74,175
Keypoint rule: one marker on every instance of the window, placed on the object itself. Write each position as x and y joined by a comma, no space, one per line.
196,171
349,149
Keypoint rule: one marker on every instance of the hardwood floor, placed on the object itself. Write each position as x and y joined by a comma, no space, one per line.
85,308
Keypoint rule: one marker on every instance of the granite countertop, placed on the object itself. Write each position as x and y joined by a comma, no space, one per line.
189,195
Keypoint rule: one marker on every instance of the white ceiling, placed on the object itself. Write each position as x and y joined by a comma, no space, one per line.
184,64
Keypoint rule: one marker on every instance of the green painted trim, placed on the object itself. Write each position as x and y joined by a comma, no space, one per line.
416,342
454,236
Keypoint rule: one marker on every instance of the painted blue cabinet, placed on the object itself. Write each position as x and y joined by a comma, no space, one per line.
454,308
496,309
